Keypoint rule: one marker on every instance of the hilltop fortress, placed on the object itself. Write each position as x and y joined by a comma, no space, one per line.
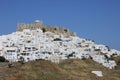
37,41
38,24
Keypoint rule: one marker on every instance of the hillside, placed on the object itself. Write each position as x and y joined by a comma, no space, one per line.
72,69
51,53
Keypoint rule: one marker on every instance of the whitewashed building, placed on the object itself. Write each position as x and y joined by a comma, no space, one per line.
36,44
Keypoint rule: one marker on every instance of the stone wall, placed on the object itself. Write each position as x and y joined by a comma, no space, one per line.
54,29
33,26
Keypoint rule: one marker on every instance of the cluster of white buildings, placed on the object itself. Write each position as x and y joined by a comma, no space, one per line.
36,44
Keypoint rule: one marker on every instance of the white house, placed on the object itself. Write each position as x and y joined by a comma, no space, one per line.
11,53
34,45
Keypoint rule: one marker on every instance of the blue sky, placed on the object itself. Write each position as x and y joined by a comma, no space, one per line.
98,20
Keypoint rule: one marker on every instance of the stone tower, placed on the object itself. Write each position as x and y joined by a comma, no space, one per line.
38,24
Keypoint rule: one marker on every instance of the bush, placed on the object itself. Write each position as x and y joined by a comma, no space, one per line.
21,60
71,55
66,30
108,48
83,58
44,30
2,59
97,50
106,56
57,39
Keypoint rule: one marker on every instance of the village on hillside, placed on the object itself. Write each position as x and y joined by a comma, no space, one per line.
37,41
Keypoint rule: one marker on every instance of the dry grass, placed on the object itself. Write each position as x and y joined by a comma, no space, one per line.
67,70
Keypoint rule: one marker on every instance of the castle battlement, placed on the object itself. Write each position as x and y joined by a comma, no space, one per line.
39,25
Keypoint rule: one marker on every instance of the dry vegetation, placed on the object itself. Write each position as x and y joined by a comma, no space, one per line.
67,70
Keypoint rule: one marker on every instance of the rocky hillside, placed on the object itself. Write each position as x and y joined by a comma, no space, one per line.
71,69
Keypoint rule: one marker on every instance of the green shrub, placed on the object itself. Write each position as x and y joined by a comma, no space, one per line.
97,50
44,30
71,55
2,59
57,39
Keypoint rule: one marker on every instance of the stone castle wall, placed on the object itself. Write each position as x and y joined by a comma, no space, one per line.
54,29
33,26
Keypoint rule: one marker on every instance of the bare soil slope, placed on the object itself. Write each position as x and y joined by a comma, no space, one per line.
73,69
